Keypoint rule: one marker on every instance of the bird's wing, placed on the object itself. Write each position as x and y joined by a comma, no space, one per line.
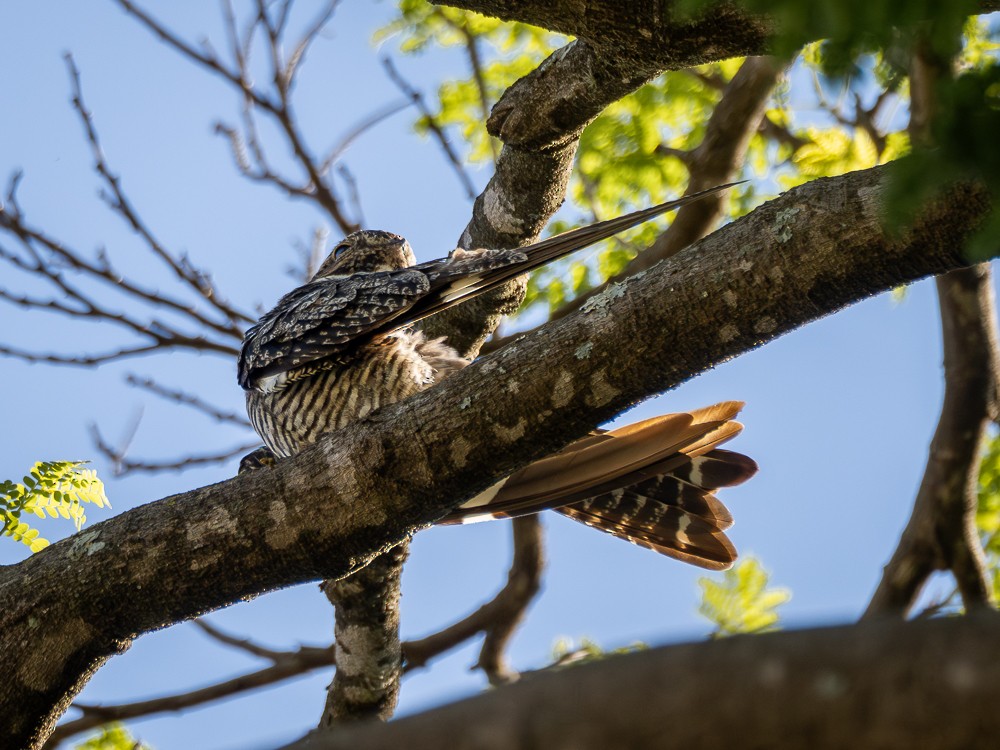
456,280
651,483
322,322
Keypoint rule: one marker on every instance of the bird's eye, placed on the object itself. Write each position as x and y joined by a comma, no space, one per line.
339,250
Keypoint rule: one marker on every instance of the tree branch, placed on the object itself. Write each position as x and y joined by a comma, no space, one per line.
933,684
275,103
717,160
366,629
507,606
497,618
941,533
813,251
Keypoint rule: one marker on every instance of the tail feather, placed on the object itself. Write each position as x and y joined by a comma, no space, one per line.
673,533
651,483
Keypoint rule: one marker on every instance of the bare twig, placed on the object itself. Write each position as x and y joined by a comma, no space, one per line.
276,102
59,257
360,129
118,202
124,465
432,125
245,644
186,399
218,324
78,360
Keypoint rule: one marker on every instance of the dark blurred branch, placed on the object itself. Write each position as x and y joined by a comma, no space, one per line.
932,685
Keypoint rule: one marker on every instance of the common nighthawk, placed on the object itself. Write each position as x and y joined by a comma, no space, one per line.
343,344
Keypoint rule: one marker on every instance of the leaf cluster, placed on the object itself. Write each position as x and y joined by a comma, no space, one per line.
53,489
964,131
112,736
743,601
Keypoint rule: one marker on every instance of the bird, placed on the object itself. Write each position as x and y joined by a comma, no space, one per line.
344,344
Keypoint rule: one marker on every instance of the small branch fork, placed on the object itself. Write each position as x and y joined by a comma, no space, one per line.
497,619
739,114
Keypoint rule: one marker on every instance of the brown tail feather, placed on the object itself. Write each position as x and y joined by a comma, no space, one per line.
650,482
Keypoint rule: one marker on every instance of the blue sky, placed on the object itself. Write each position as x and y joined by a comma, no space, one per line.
839,414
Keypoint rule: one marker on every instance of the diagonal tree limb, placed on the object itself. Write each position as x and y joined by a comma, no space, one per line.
719,157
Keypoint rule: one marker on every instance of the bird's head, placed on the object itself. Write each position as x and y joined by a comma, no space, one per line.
367,250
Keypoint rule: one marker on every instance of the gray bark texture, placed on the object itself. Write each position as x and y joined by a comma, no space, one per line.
882,685
820,247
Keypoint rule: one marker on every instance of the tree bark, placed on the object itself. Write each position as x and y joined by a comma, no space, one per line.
366,632
820,247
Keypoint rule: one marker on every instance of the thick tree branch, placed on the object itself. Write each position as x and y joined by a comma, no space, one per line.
540,119
648,27
932,684
941,533
642,29
805,255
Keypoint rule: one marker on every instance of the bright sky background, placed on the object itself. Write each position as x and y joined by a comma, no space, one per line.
839,414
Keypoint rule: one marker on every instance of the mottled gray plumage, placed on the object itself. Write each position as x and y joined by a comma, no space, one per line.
342,345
